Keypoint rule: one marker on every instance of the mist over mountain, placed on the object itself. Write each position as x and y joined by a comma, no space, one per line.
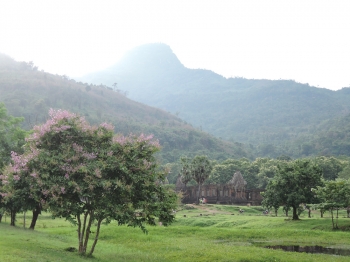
274,117
30,93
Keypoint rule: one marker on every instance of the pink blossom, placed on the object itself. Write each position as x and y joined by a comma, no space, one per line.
89,156
98,173
148,139
3,194
19,161
34,175
16,177
63,190
61,128
77,148
66,176
122,140
147,164
50,125
143,138
107,126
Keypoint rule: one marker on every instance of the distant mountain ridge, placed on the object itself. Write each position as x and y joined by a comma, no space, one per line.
30,93
274,116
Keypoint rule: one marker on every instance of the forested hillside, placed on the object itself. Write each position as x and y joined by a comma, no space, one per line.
273,117
30,93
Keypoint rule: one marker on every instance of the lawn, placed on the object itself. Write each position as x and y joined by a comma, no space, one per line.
200,233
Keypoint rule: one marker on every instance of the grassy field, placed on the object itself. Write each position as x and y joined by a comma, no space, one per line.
200,233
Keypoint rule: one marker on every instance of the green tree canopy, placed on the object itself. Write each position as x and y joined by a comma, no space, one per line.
333,195
292,184
198,169
331,167
11,136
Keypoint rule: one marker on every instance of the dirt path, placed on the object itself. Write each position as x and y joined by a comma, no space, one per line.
208,209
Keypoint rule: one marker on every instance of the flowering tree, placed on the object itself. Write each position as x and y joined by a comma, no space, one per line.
11,138
86,174
19,189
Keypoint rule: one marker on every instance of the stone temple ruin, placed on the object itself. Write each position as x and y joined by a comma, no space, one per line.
233,192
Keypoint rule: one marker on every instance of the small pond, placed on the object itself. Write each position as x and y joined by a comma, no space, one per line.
312,249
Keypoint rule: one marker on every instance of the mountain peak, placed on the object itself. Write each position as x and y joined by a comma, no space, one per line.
154,56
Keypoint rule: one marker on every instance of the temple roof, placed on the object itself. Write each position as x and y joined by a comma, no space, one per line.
238,181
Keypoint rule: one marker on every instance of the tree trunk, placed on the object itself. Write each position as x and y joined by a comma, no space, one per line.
336,221
0,217
79,231
295,214
13,218
81,239
198,195
36,213
309,212
332,218
96,237
88,230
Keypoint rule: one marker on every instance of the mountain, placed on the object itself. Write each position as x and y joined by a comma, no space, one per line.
30,93
274,117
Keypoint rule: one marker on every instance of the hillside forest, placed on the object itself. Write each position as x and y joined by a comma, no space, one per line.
29,93
270,117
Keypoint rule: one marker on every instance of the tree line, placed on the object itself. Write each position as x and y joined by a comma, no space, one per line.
293,184
260,171
300,185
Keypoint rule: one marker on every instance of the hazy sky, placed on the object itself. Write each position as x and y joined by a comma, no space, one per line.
308,41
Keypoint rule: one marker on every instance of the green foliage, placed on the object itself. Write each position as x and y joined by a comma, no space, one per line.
334,195
197,169
186,170
259,172
331,167
224,171
345,173
11,135
19,193
11,139
200,169
292,185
